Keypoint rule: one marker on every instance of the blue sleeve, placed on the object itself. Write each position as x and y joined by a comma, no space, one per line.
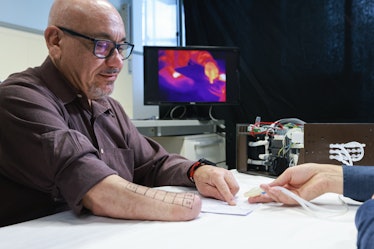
365,225
358,182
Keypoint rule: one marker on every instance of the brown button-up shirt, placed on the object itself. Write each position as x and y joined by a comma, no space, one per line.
53,142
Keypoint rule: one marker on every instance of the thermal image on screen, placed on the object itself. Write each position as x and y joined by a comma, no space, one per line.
191,76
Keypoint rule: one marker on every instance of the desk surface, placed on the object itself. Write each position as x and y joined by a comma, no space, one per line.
269,226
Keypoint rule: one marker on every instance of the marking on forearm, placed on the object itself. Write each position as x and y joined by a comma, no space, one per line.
184,199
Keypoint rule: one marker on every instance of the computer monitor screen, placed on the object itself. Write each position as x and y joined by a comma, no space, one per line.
193,75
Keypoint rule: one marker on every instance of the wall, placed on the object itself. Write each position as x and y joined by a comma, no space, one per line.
20,50
30,14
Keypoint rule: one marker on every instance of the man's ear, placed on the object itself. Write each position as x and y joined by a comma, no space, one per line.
52,36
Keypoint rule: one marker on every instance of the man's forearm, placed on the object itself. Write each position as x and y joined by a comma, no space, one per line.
117,198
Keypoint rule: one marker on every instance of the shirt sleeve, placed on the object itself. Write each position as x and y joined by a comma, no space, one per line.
153,165
74,164
358,182
40,151
364,221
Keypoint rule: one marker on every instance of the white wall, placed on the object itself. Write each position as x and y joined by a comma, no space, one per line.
20,50
31,14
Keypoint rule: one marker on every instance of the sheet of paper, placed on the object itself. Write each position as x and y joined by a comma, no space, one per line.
220,207
210,205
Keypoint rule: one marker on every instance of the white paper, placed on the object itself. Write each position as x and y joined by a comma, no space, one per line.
220,207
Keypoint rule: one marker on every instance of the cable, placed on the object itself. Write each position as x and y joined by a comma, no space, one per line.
347,153
175,108
211,115
310,207
222,126
295,121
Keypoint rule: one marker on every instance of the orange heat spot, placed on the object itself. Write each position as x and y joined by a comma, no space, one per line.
211,71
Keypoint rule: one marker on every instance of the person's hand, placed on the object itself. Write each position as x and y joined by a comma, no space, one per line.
308,181
216,182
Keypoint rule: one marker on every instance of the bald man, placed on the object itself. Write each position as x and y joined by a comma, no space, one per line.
65,144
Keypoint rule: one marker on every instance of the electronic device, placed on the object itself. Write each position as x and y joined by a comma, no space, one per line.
268,148
191,75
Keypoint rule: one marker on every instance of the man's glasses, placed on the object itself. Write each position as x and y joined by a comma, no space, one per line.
104,48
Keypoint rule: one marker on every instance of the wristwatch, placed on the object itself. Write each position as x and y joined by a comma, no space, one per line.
195,166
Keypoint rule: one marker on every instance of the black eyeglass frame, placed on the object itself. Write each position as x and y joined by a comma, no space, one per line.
95,41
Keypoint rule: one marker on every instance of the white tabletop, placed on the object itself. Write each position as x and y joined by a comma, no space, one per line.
269,226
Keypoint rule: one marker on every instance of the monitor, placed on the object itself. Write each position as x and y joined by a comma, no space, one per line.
191,75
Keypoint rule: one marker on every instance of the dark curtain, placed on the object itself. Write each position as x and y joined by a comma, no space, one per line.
311,60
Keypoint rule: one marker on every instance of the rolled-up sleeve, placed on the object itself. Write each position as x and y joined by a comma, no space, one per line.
153,165
74,163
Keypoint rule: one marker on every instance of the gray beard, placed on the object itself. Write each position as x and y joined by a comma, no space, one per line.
97,93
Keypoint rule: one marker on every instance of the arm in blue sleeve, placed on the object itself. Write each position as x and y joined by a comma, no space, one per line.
365,225
358,182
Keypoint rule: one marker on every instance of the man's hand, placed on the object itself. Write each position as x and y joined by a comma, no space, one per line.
216,182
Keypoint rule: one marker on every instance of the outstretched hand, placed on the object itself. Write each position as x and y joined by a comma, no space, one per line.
216,182
307,181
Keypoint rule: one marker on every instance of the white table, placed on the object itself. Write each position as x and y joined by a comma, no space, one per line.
268,226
